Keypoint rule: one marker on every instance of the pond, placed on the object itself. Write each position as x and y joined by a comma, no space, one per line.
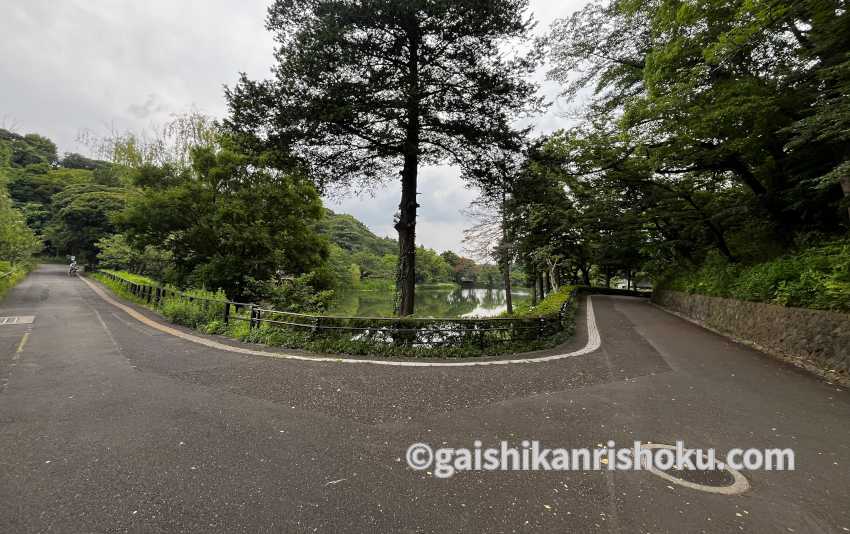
431,301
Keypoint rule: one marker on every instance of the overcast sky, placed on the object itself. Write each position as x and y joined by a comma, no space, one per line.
100,65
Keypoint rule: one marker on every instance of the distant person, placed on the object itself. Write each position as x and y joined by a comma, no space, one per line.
72,269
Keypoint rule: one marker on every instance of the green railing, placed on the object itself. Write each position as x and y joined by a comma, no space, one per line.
412,331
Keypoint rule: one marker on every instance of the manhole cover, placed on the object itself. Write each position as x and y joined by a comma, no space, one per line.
726,481
716,477
18,319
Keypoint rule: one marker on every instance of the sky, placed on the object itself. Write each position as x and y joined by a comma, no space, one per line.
108,65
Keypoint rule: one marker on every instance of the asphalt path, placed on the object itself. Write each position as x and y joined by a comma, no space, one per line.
110,425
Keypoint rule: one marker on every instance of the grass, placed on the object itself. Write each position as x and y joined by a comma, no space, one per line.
206,314
816,277
548,306
11,274
135,278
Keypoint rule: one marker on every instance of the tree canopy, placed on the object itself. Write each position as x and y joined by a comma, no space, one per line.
225,220
705,127
367,90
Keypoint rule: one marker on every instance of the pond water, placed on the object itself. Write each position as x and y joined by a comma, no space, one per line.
430,302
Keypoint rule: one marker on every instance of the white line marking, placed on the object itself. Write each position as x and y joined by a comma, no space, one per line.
593,342
17,319
739,484
20,319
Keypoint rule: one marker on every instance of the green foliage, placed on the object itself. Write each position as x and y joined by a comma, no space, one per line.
118,288
551,305
67,207
77,161
817,277
39,185
353,236
306,293
10,275
84,214
205,311
365,89
431,267
714,117
17,242
116,253
301,339
355,247
226,220
132,277
22,150
465,270
170,145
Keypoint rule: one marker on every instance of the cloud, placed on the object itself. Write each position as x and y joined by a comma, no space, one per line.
150,107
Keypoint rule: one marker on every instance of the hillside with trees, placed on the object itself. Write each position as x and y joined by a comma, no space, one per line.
204,217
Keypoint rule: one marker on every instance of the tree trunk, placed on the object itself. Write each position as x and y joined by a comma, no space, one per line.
552,277
532,277
506,259
406,224
506,273
845,186
722,246
406,228
585,275
541,287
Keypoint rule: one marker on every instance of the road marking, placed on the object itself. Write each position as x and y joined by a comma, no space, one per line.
594,341
22,343
740,483
20,319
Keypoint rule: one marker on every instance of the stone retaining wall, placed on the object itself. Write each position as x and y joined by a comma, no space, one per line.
819,337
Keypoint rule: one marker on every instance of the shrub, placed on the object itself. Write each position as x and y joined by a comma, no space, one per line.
360,336
135,278
551,305
14,274
817,277
304,294
197,313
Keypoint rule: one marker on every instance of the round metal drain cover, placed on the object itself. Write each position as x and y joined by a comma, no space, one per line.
726,481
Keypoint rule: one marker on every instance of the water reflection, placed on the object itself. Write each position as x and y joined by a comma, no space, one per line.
430,302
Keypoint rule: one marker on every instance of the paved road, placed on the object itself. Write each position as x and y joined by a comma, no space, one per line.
107,425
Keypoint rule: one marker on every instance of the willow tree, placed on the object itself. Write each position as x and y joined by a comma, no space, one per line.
366,91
